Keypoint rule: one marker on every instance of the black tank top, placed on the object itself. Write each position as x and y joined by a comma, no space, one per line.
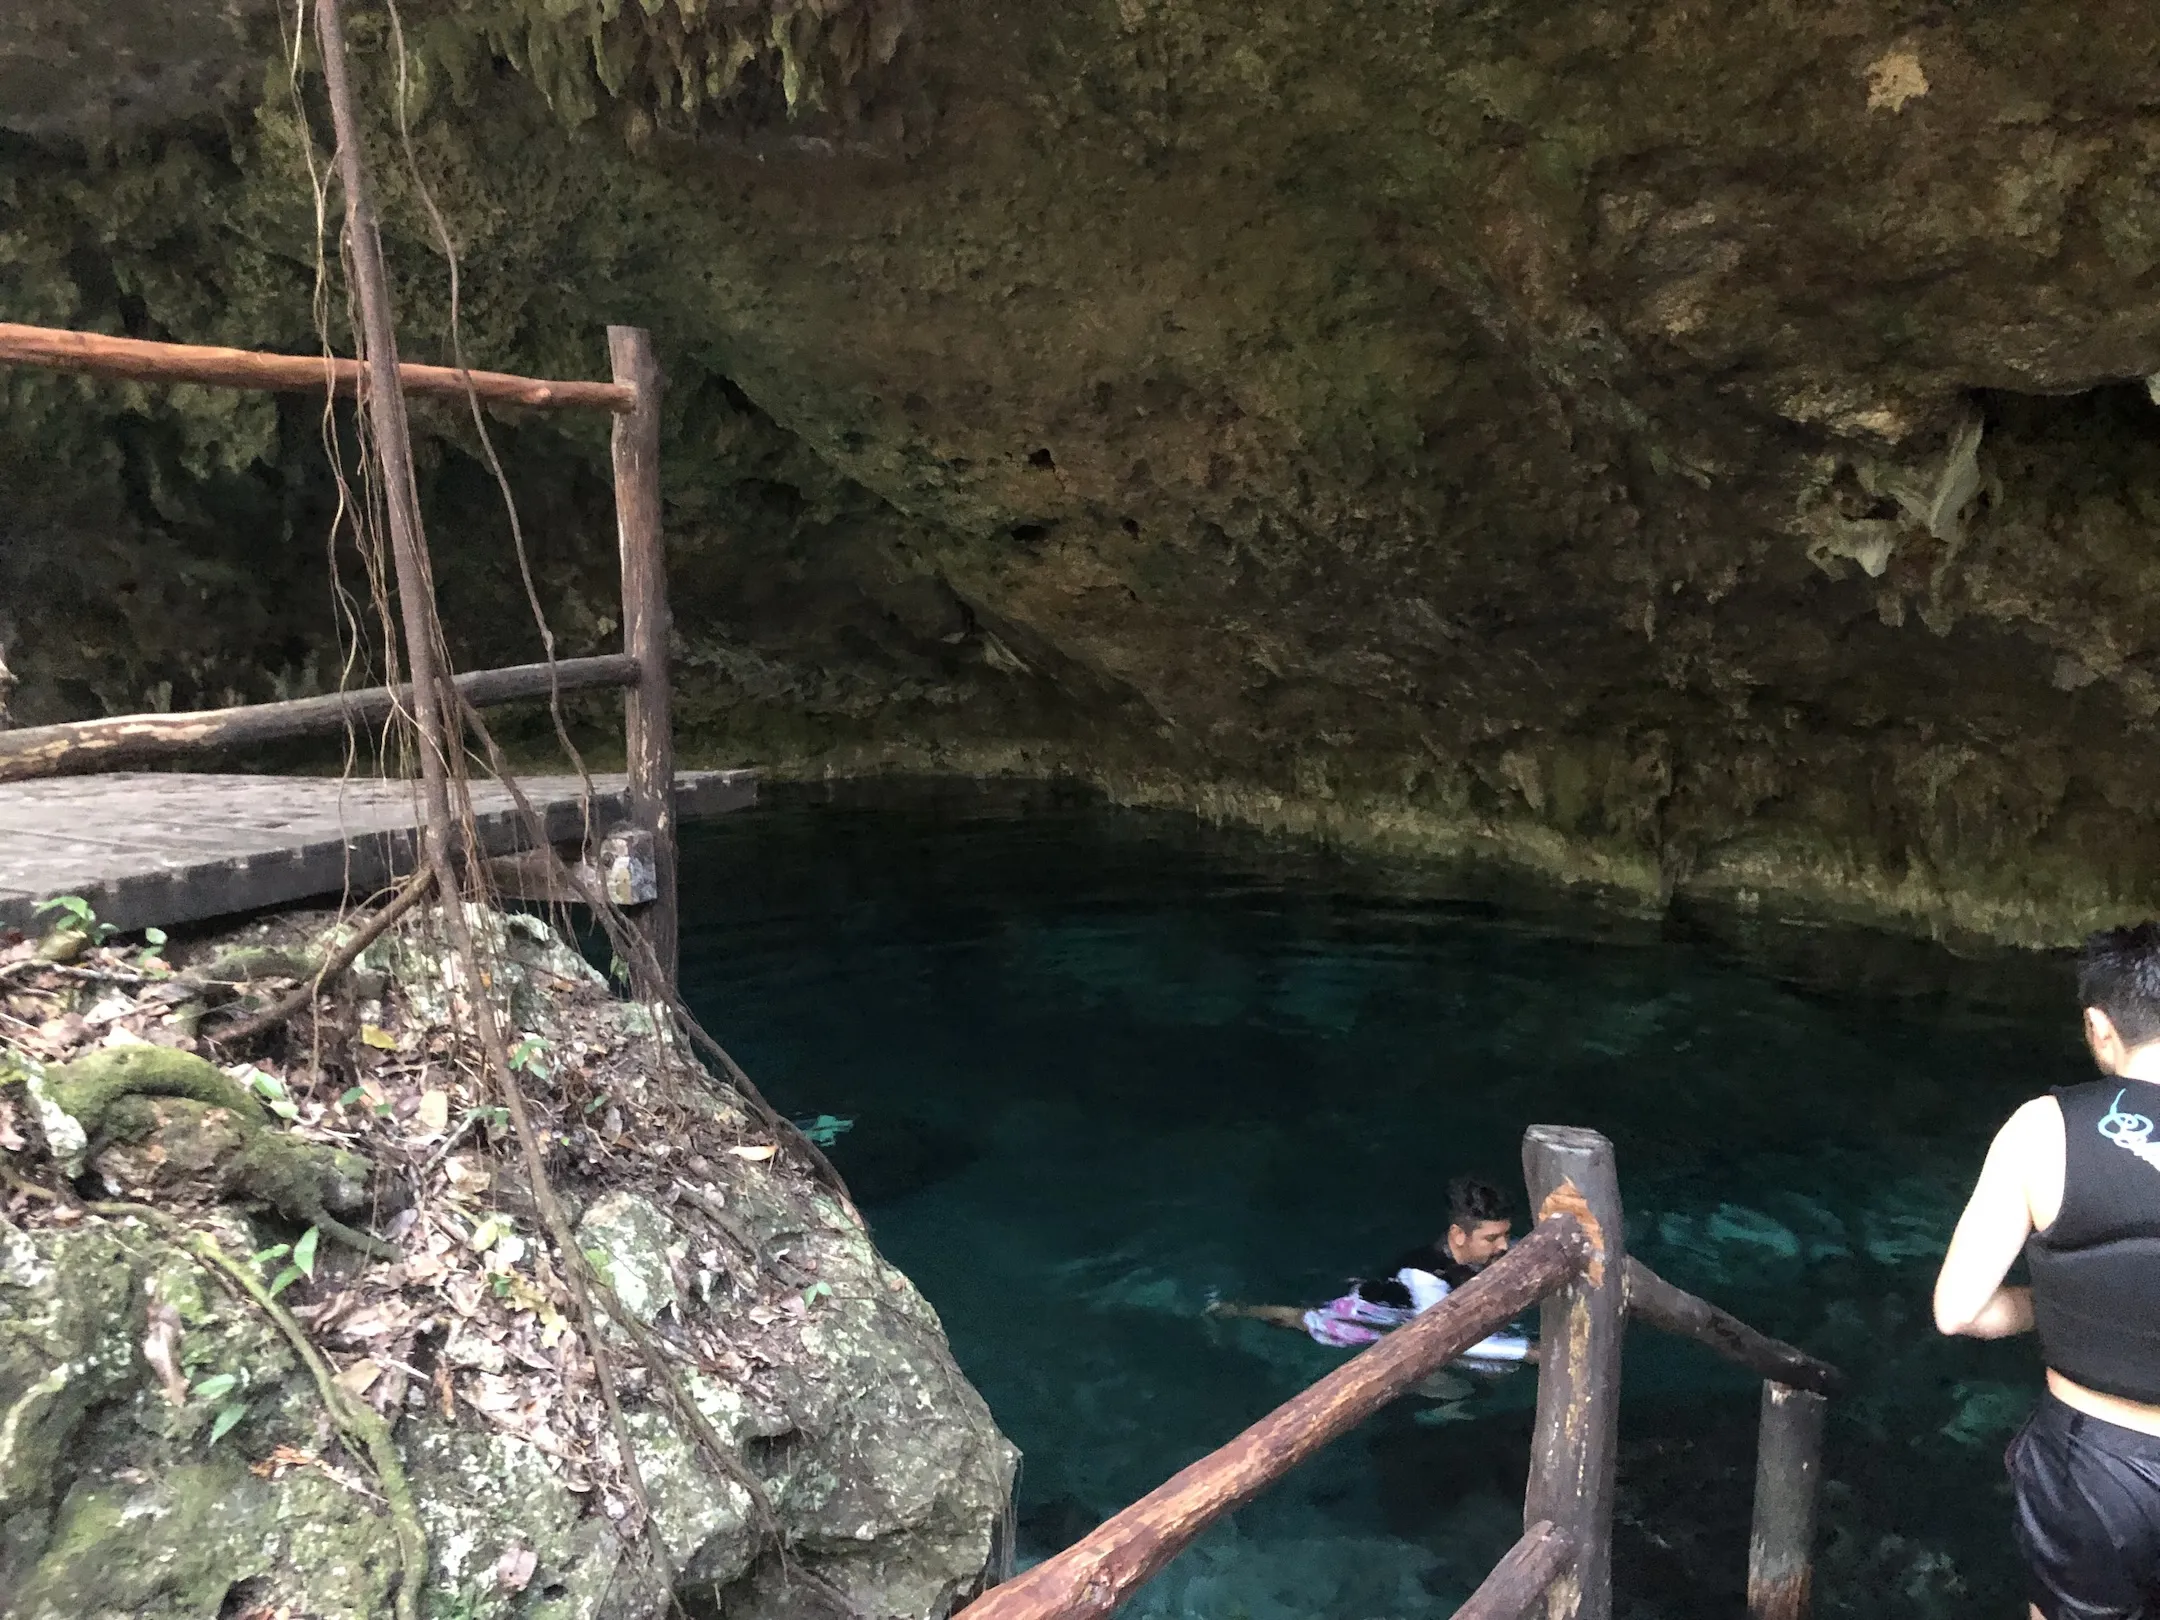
2096,1270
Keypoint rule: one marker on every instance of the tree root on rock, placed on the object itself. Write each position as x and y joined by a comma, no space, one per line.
295,1178
360,1424
261,1023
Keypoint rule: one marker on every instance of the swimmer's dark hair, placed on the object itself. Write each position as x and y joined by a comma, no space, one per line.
2119,972
1471,1200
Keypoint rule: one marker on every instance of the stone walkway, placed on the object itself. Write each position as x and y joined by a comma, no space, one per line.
162,848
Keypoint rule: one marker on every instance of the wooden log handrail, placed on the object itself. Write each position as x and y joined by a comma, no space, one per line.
80,746
1653,1300
99,354
1521,1576
1098,1572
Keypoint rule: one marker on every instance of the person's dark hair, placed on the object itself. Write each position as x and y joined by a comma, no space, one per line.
2119,972
1471,1200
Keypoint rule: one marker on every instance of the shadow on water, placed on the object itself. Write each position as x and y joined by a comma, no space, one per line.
1106,1065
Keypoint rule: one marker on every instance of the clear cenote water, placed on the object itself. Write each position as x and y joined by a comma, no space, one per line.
1106,1065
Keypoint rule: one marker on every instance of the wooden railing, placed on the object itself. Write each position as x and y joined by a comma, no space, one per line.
1574,1261
641,669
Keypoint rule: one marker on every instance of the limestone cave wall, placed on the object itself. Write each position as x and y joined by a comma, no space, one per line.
1701,451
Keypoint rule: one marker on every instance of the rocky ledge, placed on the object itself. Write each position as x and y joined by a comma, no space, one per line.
229,1279
1702,454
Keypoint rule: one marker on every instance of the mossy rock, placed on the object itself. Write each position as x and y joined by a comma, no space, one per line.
115,1502
89,1085
158,1119
244,964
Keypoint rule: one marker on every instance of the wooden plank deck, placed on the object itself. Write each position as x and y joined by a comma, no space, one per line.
173,847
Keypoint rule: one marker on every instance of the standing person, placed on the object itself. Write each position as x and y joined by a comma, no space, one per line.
2073,1180
1479,1224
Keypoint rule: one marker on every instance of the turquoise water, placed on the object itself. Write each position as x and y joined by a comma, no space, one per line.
1106,1065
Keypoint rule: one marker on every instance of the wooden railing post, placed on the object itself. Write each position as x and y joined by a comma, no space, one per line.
1788,1468
1580,1335
648,737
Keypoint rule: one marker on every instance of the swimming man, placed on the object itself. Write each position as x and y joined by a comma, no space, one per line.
1477,1234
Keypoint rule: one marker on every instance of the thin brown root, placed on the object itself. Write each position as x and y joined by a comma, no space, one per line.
631,946
269,1018
27,1187
360,1424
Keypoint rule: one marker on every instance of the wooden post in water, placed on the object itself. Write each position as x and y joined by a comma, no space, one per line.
1580,1334
1788,1469
648,736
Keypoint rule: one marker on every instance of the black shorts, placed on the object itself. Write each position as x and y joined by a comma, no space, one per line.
2088,1515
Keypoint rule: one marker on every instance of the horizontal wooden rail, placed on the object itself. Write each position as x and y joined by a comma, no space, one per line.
56,349
1653,1300
142,739
1521,1576
1098,1572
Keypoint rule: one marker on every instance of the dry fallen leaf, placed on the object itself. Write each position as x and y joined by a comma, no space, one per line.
432,1117
284,1457
376,1036
359,1378
466,1175
377,1320
514,1570
756,1155
425,1270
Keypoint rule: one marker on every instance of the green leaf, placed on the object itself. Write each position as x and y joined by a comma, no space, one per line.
276,1251
816,1291
226,1419
303,1254
74,905
211,1389
353,1094
488,1231
285,1279
153,936
529,1055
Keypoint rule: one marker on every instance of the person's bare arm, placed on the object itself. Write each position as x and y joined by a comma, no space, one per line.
1970,1298
1282,1316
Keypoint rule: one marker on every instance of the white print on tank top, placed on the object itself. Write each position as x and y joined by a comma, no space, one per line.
2130,1131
